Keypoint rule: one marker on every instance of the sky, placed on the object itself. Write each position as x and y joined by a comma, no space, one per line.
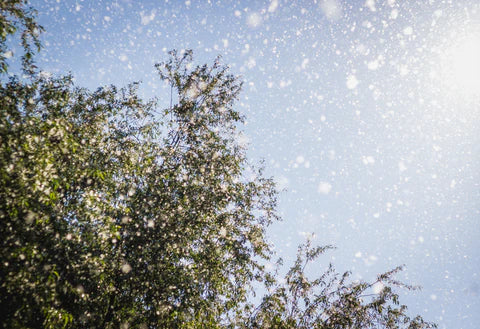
367,114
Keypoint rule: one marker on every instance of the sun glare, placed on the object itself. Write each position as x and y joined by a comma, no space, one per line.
461,65
466,64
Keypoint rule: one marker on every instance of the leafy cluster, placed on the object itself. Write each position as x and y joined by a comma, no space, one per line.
115,214
16,16
331,301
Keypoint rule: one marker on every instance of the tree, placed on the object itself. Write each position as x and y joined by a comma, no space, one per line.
16,16
331,301
116,214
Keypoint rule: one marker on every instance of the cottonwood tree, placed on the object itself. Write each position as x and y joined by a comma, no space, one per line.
331,301
114,213
18,19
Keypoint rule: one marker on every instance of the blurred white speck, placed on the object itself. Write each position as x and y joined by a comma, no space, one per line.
403,70
45,74
30,217
251,63
370,4
273,6
254,20
242,139
300,159
126,268
304,63
378,287
7,54
394,14
284,83
370,260
453,183
352,82
332,9
408,30
147,18
307,235
368,160
123,57
324,188
373,65
223,232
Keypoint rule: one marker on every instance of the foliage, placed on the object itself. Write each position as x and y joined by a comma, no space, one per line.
116,214
108,219
16,16
331,301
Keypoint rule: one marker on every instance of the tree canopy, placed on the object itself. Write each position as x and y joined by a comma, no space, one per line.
115,213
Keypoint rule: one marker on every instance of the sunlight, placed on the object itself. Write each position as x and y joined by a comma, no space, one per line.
466,64
461,66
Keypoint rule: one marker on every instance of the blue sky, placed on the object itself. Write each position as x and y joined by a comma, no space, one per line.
366,112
